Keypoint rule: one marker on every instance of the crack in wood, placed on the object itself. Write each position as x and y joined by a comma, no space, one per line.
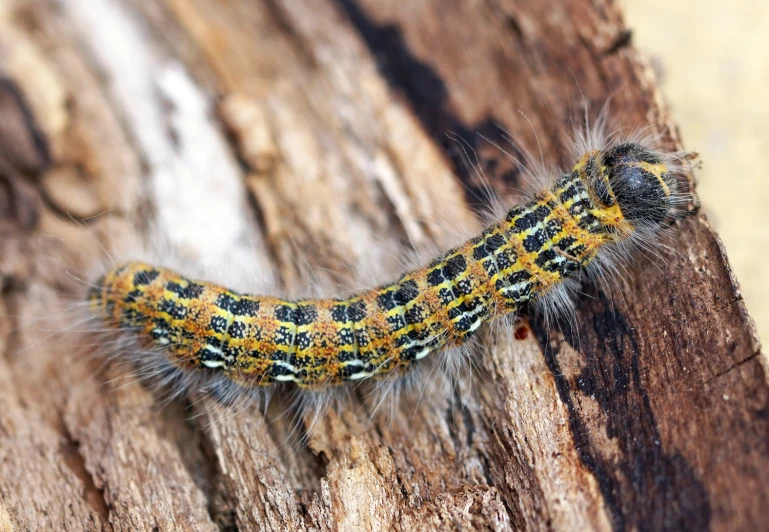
732,367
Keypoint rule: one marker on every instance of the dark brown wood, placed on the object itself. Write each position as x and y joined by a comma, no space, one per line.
314,132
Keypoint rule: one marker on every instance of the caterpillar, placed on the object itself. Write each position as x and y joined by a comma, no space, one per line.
613,199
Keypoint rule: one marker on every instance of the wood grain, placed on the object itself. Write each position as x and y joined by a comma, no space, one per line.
277,139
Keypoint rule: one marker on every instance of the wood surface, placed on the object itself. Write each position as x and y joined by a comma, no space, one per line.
285,137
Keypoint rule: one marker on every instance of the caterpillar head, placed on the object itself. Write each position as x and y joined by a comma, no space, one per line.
630,186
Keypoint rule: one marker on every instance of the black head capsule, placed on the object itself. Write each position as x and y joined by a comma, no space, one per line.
640,183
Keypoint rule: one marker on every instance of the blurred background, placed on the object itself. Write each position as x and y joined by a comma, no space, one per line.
712,58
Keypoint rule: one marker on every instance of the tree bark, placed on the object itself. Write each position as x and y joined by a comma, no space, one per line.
243,132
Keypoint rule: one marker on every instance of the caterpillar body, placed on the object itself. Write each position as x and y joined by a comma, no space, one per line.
611,198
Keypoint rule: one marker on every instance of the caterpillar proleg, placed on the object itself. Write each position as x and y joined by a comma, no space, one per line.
613,198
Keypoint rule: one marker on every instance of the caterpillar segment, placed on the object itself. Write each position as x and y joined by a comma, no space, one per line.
259,341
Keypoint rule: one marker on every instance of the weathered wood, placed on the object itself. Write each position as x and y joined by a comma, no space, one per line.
256,132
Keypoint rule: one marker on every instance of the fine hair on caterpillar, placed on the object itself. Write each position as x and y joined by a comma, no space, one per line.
187,335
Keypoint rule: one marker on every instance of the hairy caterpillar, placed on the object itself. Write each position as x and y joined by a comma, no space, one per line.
613,198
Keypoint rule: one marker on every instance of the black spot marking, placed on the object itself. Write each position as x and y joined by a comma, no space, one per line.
386,300
133,318
514,213
145,277
480,252
455,266
566,242
407,291
505,259
362,337
345,337
490,267
531,219
410,353
495,241
464,324
246,307
347,356
545,257
173,286
435,277
237,329
488,247
303,340
418,335
525,222
464,286
345,372
177,312
208,355
402,341
218,324
194,291
225,302
552,228
284,313
232,352
456,312
535,241
305,315
339,313
568,194
396,322
278,355
132,296
191,291
415,315
357,311
284,336
446,296
279,370
517,277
